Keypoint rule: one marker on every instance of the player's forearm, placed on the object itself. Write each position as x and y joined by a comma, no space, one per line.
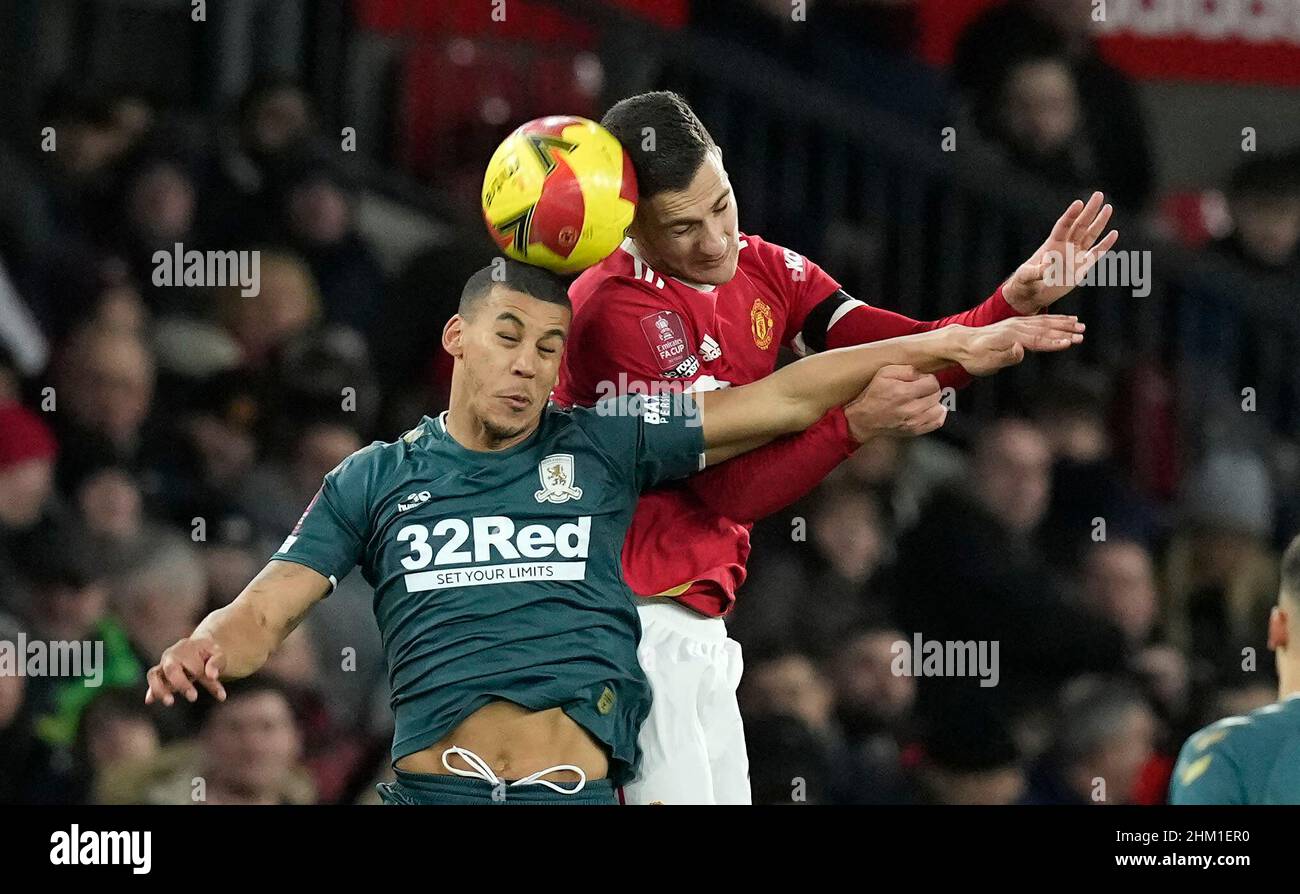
866,323
245,638
785,470
804,391
248,630
794,398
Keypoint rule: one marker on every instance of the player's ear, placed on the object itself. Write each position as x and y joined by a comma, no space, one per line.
453,335
1278,634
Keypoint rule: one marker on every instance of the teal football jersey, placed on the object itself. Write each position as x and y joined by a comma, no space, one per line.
1253,759
497,575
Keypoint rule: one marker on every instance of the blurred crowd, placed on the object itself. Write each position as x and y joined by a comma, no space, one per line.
157,442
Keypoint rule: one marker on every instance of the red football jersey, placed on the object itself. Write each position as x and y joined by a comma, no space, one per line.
632,324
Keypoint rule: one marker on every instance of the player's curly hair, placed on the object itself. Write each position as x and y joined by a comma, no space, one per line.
663,136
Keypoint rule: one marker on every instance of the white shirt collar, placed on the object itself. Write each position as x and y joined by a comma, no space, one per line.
630,247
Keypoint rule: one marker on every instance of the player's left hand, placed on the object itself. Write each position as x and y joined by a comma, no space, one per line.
899,401
1028,290
984,350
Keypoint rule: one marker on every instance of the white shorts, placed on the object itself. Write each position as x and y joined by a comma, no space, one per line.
693,742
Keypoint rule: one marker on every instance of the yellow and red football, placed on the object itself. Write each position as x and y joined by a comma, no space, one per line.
559,192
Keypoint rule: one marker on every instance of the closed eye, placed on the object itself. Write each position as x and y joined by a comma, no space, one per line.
507,337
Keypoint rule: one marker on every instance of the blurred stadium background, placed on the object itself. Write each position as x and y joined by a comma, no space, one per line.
190,426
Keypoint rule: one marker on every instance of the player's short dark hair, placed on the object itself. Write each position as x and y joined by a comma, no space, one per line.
517,276
1291,573
680,140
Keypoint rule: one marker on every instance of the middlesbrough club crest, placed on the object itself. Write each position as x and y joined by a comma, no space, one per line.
556,473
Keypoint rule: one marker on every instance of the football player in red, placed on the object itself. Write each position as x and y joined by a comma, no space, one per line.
689,299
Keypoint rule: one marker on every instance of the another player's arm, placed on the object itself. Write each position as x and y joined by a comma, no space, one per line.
324,547
795,397
837,319
236,640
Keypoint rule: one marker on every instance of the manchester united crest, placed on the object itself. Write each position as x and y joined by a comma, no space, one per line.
761,324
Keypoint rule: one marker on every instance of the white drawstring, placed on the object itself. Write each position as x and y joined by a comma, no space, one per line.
483,771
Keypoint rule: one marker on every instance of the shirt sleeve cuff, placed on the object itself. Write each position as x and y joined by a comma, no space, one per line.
839,424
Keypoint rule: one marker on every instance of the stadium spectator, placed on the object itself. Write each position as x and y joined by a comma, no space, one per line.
1221,572
1037,121
1105,736
1119,585
992,584
70,604
160,597
27,457
287,305
158,207
1114,132
788,762
232,556
317,203
353,680
30,769
110,505
274,119
873,703
105,382
873,711
967,755
275,494
1264,202
116,730
1089,485
247,752
27,453
847,551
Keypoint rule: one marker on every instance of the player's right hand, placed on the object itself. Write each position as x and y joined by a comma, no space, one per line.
898,401
987,349
195,659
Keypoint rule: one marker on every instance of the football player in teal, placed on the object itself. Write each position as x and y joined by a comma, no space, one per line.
492,537
1254,759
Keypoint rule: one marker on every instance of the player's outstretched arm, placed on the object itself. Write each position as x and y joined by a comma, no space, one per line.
1070,251
236,640
793,398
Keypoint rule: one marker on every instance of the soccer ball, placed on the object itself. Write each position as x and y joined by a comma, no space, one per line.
559,192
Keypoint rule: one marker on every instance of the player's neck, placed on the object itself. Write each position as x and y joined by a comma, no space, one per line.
1288,679
468,430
